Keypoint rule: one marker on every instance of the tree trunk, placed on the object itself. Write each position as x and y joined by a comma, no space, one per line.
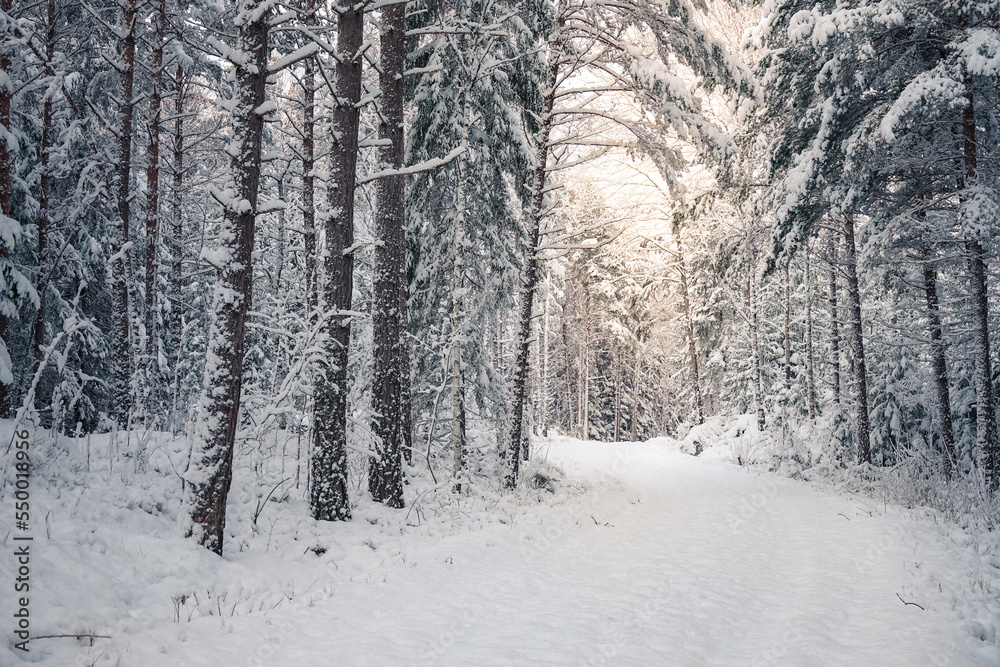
308,164
810,360
177,242
568,376
121,267
44,204
862,422
543,389
405,405
153,209
328,488
635,395
986,425
215,433
385,475
788,326
750,297
939,361
41,287
618,394
585,362
692,349
6,165
831,246
457,375
530,268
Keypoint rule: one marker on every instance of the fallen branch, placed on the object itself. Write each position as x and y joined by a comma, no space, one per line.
910,603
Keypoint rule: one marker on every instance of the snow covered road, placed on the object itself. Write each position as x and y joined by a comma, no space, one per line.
682,561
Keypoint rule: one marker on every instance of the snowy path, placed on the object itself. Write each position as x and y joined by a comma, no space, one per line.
699,563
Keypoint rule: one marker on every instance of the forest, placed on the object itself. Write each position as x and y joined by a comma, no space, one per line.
565,301
424,235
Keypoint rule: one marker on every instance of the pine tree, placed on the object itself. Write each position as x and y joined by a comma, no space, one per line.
463,218
210,476
389,315
328,498
11,229
122,267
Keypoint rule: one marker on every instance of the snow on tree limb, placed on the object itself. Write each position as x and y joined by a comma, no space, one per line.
427,165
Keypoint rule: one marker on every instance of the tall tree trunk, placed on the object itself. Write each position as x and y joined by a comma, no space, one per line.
177,242
635,394
385,474
215,433
6,165
618,394
44,203
585,362
529,271
788,326
939,361
568,376
308,164
986,424
153,208
543,389
457,374
862,423
121,267
328,487
689,319
831,245
751,298
45,180
405,404
810,359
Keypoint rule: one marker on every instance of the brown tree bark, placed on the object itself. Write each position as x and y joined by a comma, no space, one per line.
328,484
6,94
939,361
831,245
44,203
457,373
308,164
810,357
153,207
215,433
862,419
986,424
121,345
385,474
788,326
177,241
585,368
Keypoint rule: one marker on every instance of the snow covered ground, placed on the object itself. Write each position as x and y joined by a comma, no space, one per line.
642,556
